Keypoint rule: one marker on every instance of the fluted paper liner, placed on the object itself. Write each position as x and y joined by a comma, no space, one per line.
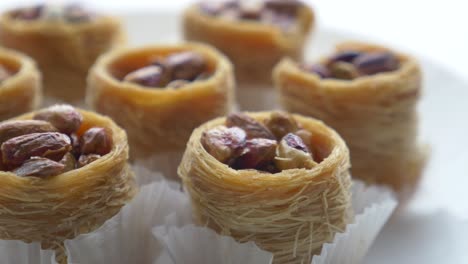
18,252
126,238
191,244
156,227
373,206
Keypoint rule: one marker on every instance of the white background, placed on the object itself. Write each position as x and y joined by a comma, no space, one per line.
435,29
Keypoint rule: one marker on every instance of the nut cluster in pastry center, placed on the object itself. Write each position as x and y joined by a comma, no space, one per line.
49,144
281,13
173,71
279,143
349,65
71,13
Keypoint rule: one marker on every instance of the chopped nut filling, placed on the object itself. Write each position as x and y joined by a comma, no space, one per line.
49,145
70,13
174,71
349,65
278,143
281,13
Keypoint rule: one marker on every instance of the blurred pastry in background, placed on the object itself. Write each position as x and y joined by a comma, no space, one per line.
255,35
159,94
369,94
64,39
20,84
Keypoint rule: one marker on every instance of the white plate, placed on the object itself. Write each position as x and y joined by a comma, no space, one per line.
429,230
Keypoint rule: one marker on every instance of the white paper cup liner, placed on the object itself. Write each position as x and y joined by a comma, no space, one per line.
205,247
373,206
126,238
156,227
257,98
17,252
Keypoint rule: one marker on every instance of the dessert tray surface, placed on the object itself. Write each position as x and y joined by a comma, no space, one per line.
433,227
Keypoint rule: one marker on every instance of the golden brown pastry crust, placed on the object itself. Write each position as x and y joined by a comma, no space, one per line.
63,51
156,119
294,211
253,48
61,207
376,115
22,91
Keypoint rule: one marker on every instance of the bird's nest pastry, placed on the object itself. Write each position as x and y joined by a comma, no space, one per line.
64,40
64,173
369,94
279,180
159,94
255,35
20,84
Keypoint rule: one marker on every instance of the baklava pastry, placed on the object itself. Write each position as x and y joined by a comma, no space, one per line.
20,84
369,94
64,172
277,179
255,35
64,40
159,94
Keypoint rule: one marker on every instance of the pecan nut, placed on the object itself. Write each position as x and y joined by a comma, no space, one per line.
252,127
96,140
39,167
51,145
64,117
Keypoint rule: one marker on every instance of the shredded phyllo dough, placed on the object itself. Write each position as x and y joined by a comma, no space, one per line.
61,207
290,213
64,52
20,92
376,115
254,48
159,119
